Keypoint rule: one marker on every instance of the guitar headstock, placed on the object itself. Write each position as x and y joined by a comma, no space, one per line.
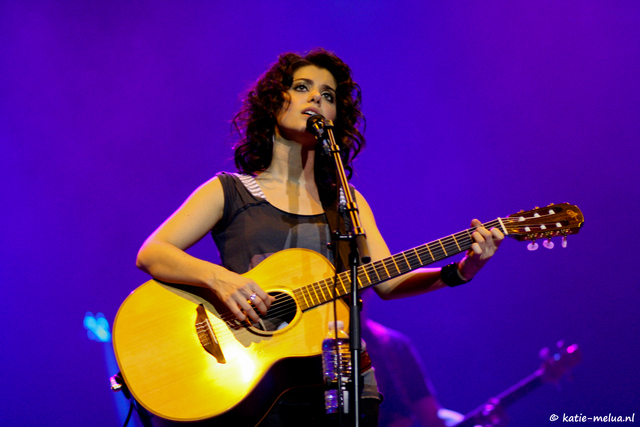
555,366
544,223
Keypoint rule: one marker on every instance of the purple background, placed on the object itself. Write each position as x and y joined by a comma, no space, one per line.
111,113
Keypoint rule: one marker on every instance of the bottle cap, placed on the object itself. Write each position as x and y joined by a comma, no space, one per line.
340,324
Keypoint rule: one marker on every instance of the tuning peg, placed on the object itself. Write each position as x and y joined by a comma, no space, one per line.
544,353
533,246
548,244
564,241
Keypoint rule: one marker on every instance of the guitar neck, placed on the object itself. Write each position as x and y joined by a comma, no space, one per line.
521,389
318,293
506,398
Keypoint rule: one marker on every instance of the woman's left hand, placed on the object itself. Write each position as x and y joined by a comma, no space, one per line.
485,244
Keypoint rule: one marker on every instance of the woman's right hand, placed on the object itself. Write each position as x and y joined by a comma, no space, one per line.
163,254
236,291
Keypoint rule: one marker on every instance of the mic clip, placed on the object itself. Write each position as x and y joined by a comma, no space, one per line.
320,127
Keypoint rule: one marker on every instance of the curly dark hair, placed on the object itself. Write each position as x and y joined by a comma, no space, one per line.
256,120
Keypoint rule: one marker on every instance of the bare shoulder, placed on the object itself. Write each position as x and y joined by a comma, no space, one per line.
207,200
377,246
199,213
211,188
363,206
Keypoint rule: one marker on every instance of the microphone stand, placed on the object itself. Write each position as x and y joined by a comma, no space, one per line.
359,251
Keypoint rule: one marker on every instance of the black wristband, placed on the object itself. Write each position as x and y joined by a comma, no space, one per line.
450,275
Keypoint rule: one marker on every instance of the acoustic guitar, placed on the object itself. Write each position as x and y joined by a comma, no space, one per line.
185,357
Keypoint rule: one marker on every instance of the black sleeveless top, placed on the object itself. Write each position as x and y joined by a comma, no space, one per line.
251,228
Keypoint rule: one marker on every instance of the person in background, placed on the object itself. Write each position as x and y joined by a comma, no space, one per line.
409,396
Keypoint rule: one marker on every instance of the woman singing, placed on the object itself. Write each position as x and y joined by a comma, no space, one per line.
277,200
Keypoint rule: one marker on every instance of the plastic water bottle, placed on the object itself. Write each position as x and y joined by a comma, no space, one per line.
336,361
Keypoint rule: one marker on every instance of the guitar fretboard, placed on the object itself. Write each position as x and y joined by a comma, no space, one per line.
321,292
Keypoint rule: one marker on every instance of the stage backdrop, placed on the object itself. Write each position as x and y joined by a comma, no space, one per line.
111,113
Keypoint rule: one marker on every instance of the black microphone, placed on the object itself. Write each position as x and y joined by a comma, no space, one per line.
315,126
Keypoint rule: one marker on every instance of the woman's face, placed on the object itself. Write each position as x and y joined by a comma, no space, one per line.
313,91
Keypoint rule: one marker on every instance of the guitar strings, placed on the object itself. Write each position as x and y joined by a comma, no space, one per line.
289,308
321,290
410,258
380,270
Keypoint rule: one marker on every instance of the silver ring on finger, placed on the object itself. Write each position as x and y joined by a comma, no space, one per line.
253,297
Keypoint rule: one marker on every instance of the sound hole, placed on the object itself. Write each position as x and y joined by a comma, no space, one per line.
280,314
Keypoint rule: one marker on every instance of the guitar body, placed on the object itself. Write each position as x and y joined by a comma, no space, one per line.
169,371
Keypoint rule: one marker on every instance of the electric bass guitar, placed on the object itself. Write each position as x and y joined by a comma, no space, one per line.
553,368
185,357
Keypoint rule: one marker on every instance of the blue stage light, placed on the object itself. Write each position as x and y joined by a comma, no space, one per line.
97,327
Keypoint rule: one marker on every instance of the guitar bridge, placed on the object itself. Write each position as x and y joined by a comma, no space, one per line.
207,336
